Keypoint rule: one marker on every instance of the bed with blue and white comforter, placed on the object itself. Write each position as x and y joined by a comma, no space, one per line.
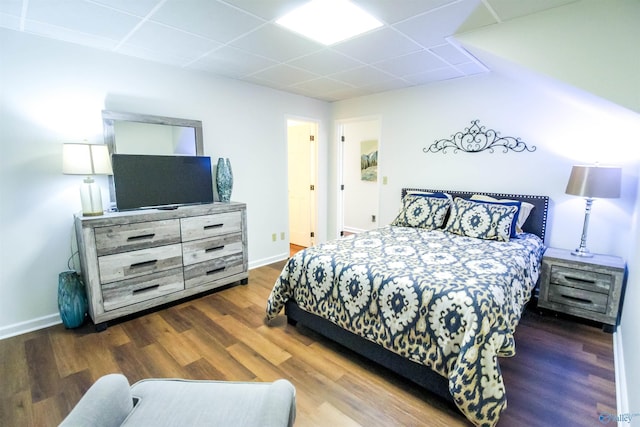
442,300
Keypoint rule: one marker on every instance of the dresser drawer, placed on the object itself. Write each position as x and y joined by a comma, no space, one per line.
127,292
208,271
208,249
586,300
127,237
138,263
200,227
581,279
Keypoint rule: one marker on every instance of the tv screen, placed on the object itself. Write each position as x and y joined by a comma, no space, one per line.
143,181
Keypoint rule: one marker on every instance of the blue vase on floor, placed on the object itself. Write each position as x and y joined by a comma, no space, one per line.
224,180
72,299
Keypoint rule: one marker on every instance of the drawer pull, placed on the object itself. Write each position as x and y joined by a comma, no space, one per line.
579,279
144,264
209,227
216,248
141,237
581,300
148,288
216,270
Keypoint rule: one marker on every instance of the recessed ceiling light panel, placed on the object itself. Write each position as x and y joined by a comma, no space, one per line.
329,21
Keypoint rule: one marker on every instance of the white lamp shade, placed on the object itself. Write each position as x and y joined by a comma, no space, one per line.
595,181
86,159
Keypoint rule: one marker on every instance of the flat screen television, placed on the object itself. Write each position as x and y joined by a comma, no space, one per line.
143,182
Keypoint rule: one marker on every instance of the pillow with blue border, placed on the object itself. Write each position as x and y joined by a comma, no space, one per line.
426,211
483,220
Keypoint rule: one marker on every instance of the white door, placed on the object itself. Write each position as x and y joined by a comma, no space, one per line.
360,140
302,173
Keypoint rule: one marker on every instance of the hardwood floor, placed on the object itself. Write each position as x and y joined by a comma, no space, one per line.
562,374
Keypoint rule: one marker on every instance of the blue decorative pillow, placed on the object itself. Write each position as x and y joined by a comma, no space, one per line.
422,211
483,220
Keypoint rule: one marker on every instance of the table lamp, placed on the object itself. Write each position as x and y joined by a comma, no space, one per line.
592,182
87,159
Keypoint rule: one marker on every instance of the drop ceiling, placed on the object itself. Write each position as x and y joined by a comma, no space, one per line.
239,39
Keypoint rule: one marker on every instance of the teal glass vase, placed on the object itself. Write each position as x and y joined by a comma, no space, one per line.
224,180
72,299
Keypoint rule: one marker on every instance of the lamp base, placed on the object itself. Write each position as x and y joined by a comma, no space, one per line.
91,198
582,252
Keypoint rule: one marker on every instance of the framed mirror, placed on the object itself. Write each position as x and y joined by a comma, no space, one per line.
130,133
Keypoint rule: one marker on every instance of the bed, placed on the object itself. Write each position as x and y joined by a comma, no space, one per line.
435,296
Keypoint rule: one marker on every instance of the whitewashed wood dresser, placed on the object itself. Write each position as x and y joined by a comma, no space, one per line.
136,260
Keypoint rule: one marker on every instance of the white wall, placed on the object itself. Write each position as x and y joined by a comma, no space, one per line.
53,92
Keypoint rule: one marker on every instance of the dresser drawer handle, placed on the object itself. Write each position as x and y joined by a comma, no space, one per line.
216,248
579,279
214,271
209,227
148,288
141,237
582,300
144,264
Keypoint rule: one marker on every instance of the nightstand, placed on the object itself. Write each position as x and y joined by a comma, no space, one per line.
590,288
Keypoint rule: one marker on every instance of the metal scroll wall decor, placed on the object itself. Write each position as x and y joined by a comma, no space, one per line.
477,138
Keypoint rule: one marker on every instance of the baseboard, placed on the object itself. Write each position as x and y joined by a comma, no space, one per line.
269,260
622,396
29,326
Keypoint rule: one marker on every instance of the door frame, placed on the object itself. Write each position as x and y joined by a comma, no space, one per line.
339,129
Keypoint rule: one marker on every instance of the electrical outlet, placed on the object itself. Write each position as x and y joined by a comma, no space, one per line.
282,235
384,180
273,237
373,218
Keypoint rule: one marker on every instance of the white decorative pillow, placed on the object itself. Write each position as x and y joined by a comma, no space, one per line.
525,208
422,211
483,220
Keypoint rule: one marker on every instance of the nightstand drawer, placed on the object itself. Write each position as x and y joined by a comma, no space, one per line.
581,279
586,300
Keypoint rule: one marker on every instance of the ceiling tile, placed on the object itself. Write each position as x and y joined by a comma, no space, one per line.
232,62
471,68
151,55
408,64
285,75
326,62
431,28
391,12
362,76
11,7
451,54
71,36
276,43
206,18
10,21
509,9
82,16
377,45
160,38
267,9
138,7
434,76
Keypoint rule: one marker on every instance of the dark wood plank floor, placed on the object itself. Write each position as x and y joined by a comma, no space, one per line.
562,374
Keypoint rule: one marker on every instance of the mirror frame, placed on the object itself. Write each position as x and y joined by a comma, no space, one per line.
110,117
108,122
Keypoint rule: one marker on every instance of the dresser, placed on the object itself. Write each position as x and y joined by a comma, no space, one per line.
136,260
590,288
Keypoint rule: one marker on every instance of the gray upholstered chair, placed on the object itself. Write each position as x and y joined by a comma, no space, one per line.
174,402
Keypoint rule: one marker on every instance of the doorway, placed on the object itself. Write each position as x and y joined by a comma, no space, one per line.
302,176
359,145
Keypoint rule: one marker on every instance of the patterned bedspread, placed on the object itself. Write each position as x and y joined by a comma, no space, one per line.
449,302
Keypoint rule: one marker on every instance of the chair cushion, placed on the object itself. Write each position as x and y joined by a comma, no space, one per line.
167,402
